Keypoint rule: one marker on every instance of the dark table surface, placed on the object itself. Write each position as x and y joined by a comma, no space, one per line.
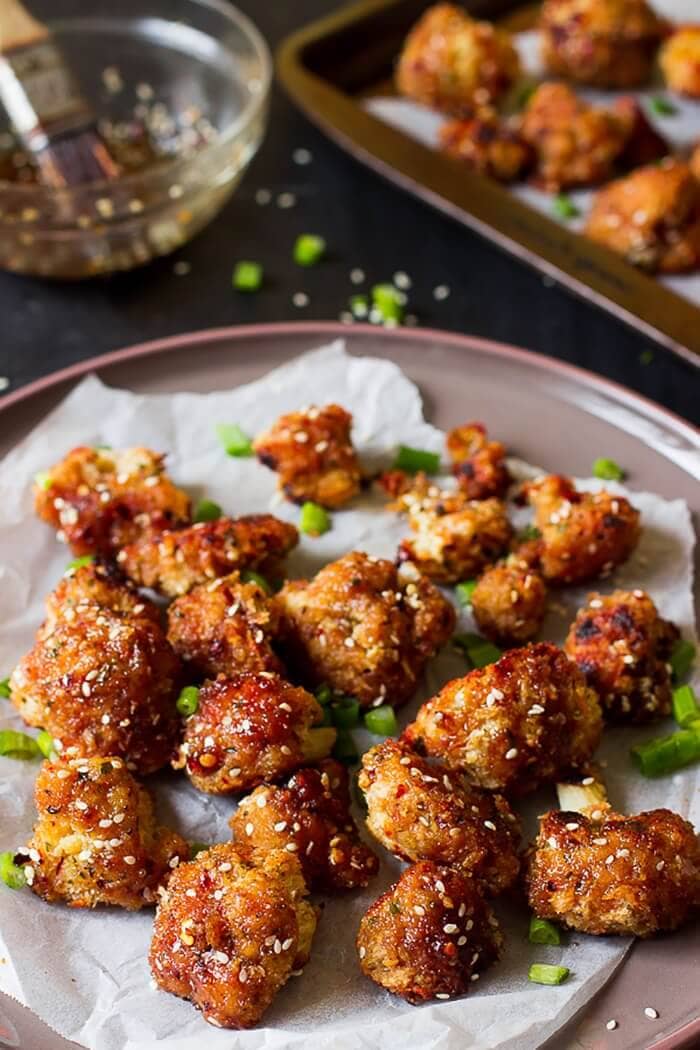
367,224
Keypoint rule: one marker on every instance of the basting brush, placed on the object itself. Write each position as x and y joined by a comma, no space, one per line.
43,101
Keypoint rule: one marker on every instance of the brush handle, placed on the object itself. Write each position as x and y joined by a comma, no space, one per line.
18,28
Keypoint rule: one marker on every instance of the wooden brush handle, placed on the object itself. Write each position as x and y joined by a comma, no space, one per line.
18,28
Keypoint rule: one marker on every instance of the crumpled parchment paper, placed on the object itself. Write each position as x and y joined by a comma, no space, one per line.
681,129
85,973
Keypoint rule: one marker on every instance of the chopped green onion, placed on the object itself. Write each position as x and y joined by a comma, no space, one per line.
324,694
45,744
564,207
381,721
682,658
607,469
207,510
78,563
415,459
103,448
543,932
248,576
309,249
188,700
18,745
359,305
314,520
666,754
543,973
235,441
345,712
196,848
344,748
685,706
524,94
478,651
5,688
389,302
465,590
662,107
247,276
10,873
43,480
530,532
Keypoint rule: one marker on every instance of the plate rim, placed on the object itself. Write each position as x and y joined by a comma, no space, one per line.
337,329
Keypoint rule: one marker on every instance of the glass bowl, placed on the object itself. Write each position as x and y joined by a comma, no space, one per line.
200,69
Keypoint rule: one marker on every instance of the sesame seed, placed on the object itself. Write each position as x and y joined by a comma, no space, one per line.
300,300
490,825
588,780
611,1024
291,847
661,865
286,200
552,842
349,643
441,995
243,975
461,941
595,603
357,276
439,885
536,709
362,952
440,292
302,156
182,268
118,818
571,826
81,805
450,927
129,860
512,752
249,828
475,977
280,825
402,280
610,858
419,909
651,1012
263,197
286,945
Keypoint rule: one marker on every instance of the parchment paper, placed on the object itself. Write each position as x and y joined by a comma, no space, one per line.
85,973
682,130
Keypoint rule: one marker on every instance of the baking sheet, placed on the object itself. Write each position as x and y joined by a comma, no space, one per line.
682,130
86,974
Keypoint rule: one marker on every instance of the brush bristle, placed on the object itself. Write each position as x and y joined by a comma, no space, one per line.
75,158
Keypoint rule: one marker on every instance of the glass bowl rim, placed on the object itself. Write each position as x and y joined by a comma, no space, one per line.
253,107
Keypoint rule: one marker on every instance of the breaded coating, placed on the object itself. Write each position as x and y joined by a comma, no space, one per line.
680,60
575,144
419,812
452,63
175,562
250,728
101,677
96,840
454,537
479,464
228,935
622,646
606,43
99,499
224,627
487,144
313,454
513,725
309,816
363,627
651,217
430,936
585,535
632,876
644,144
509,601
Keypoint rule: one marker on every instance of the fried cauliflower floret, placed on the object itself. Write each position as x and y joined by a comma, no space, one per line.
309,816
631,876
419,812
363,627
607,43
249,728
651,217
575,144
313,454
101,678
680,60
227,934
584,535
96,840
487,144
101,499
454,537
513,725
509,601
224,627
430,936
452,63
175,562
622,646
97,583
479,464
